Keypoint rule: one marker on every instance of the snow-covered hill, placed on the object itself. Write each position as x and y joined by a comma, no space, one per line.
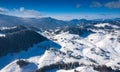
69,52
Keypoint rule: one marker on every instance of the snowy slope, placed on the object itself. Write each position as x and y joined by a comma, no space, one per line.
14,67
99,48
105,24
33,54
2,35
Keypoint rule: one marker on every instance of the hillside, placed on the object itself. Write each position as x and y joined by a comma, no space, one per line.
17,39
70,52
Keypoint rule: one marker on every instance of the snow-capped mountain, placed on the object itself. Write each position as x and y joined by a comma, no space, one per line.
39,23
89,48
50,23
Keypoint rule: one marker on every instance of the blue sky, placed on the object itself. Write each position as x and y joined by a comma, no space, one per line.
62,9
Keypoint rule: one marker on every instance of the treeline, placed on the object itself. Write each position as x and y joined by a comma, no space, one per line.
65,66
22,63
73,65
18,41
104,68
81,31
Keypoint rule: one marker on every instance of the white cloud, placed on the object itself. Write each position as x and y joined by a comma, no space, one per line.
88,16
29,13
96,4
113,4
21,12
22,9
3,10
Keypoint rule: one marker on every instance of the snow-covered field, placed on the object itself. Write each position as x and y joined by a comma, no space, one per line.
99,48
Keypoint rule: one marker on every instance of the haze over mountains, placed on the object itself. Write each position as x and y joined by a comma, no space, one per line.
48,22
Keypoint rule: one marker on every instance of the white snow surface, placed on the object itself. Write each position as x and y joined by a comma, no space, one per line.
100,48
4,28
2,35
105,24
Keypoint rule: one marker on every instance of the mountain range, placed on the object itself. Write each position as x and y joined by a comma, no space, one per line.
51,45
49,23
